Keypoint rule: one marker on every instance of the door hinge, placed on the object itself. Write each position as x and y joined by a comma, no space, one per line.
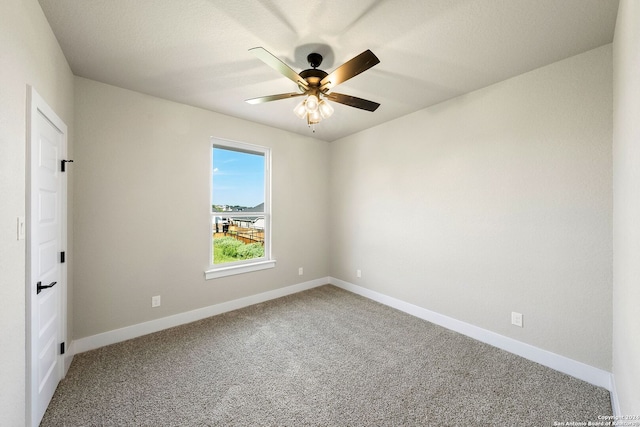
63,164
62,257
61,348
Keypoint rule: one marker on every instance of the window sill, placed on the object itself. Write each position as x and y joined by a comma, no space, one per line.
216,273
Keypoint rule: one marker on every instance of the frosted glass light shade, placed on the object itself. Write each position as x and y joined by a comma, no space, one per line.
300,110
314,117
311,103
326,110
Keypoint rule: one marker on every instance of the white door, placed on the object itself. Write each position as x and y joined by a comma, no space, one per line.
46,237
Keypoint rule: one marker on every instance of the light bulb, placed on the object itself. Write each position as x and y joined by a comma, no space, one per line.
326,110
300,110
312,103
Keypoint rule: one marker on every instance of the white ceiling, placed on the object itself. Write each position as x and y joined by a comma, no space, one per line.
196,51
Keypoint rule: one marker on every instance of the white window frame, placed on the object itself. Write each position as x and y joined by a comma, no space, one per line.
215,271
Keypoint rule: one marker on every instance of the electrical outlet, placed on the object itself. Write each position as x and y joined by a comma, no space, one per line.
300,271
358,273
516,319
155,301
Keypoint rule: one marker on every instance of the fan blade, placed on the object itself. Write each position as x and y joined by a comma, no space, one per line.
273,97
349,69
273,62
353,101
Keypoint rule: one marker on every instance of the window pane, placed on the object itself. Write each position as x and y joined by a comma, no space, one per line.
238,181
237,238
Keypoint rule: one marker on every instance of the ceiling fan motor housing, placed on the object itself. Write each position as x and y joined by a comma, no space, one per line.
313,76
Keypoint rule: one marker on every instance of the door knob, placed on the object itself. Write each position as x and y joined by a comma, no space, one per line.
39,286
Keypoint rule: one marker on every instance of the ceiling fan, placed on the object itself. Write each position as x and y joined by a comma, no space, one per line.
316,84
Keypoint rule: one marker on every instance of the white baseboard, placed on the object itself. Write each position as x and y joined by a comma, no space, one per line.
582,371
111,337
615,403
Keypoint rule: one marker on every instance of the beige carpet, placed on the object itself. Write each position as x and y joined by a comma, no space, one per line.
322,357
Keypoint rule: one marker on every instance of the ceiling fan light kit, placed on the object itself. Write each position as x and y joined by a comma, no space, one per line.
316,85
313,110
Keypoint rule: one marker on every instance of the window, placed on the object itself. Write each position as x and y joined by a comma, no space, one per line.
240,209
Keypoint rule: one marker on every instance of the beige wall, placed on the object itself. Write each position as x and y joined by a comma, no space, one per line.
626,207
29,55
496,201
142,208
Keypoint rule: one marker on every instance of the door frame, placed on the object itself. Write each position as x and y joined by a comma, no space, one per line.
37,105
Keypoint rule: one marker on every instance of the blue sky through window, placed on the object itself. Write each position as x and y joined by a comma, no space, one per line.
238,178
